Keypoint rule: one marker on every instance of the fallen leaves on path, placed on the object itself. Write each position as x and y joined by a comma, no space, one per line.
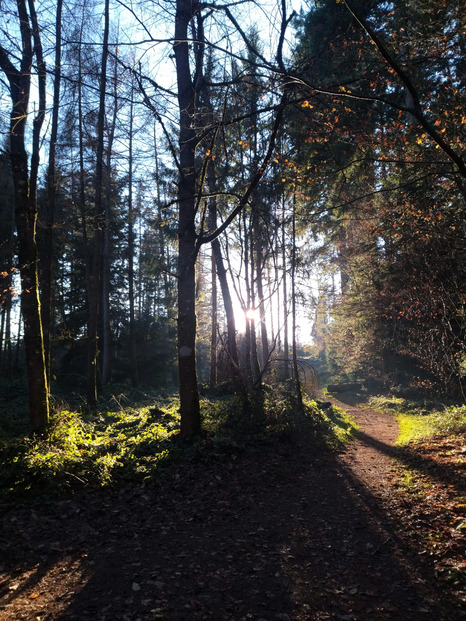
430,499
277,532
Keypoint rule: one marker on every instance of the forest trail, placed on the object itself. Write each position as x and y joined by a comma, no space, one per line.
274,532
370,457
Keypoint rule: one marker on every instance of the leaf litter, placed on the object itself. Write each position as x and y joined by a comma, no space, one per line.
279,532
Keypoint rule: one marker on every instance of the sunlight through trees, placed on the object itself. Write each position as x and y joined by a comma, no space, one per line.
211,195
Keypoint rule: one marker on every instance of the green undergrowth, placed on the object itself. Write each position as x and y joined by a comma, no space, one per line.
281,419
127,443
82,449
422,420
330,426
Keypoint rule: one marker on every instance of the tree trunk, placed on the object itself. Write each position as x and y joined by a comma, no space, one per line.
7,252
299,394
131,218
256,371
259,264
26,212
247,338
107,246
286,369
106,335
94,291
189,395
232,347
82,205
47,259
213,326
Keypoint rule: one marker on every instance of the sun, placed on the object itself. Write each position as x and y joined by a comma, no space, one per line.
252,314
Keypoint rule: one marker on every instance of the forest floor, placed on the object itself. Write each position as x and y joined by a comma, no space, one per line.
275,532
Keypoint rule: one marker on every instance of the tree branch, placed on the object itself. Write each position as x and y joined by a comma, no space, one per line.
416,109
205,239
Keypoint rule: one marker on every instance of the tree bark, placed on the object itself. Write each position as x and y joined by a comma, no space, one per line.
99,223
47,259
26,219
189,395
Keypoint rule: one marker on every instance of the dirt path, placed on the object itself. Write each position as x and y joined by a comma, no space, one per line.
273,533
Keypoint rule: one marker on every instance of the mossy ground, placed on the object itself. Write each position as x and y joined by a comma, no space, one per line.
132,442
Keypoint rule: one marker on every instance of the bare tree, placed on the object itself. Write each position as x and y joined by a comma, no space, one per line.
94,280
25,193
47,258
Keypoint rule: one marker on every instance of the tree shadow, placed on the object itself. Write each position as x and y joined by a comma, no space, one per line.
271,536
28,568
445,473
273,533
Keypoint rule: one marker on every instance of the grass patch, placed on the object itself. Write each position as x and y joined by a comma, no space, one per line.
422,420
415,426
330,427
343,427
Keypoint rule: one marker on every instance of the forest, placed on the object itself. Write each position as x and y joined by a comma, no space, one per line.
216,220
211,195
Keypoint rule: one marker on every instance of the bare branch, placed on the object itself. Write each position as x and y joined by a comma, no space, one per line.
205,239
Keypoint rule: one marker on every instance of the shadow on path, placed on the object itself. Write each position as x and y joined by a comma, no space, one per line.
271,535
276,533
443,472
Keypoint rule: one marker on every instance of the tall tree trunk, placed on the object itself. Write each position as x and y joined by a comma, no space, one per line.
265,351
25,185
99,223
189,394
213,326
47,259
131,218
82,183
164,246
299,394
15,366
278,332
107,246
39,118
259,265
247,338
7,252
232,347
106,335
286,362
342,257
256,371
82,170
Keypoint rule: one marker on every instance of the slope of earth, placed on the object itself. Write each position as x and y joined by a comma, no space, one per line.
277,532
